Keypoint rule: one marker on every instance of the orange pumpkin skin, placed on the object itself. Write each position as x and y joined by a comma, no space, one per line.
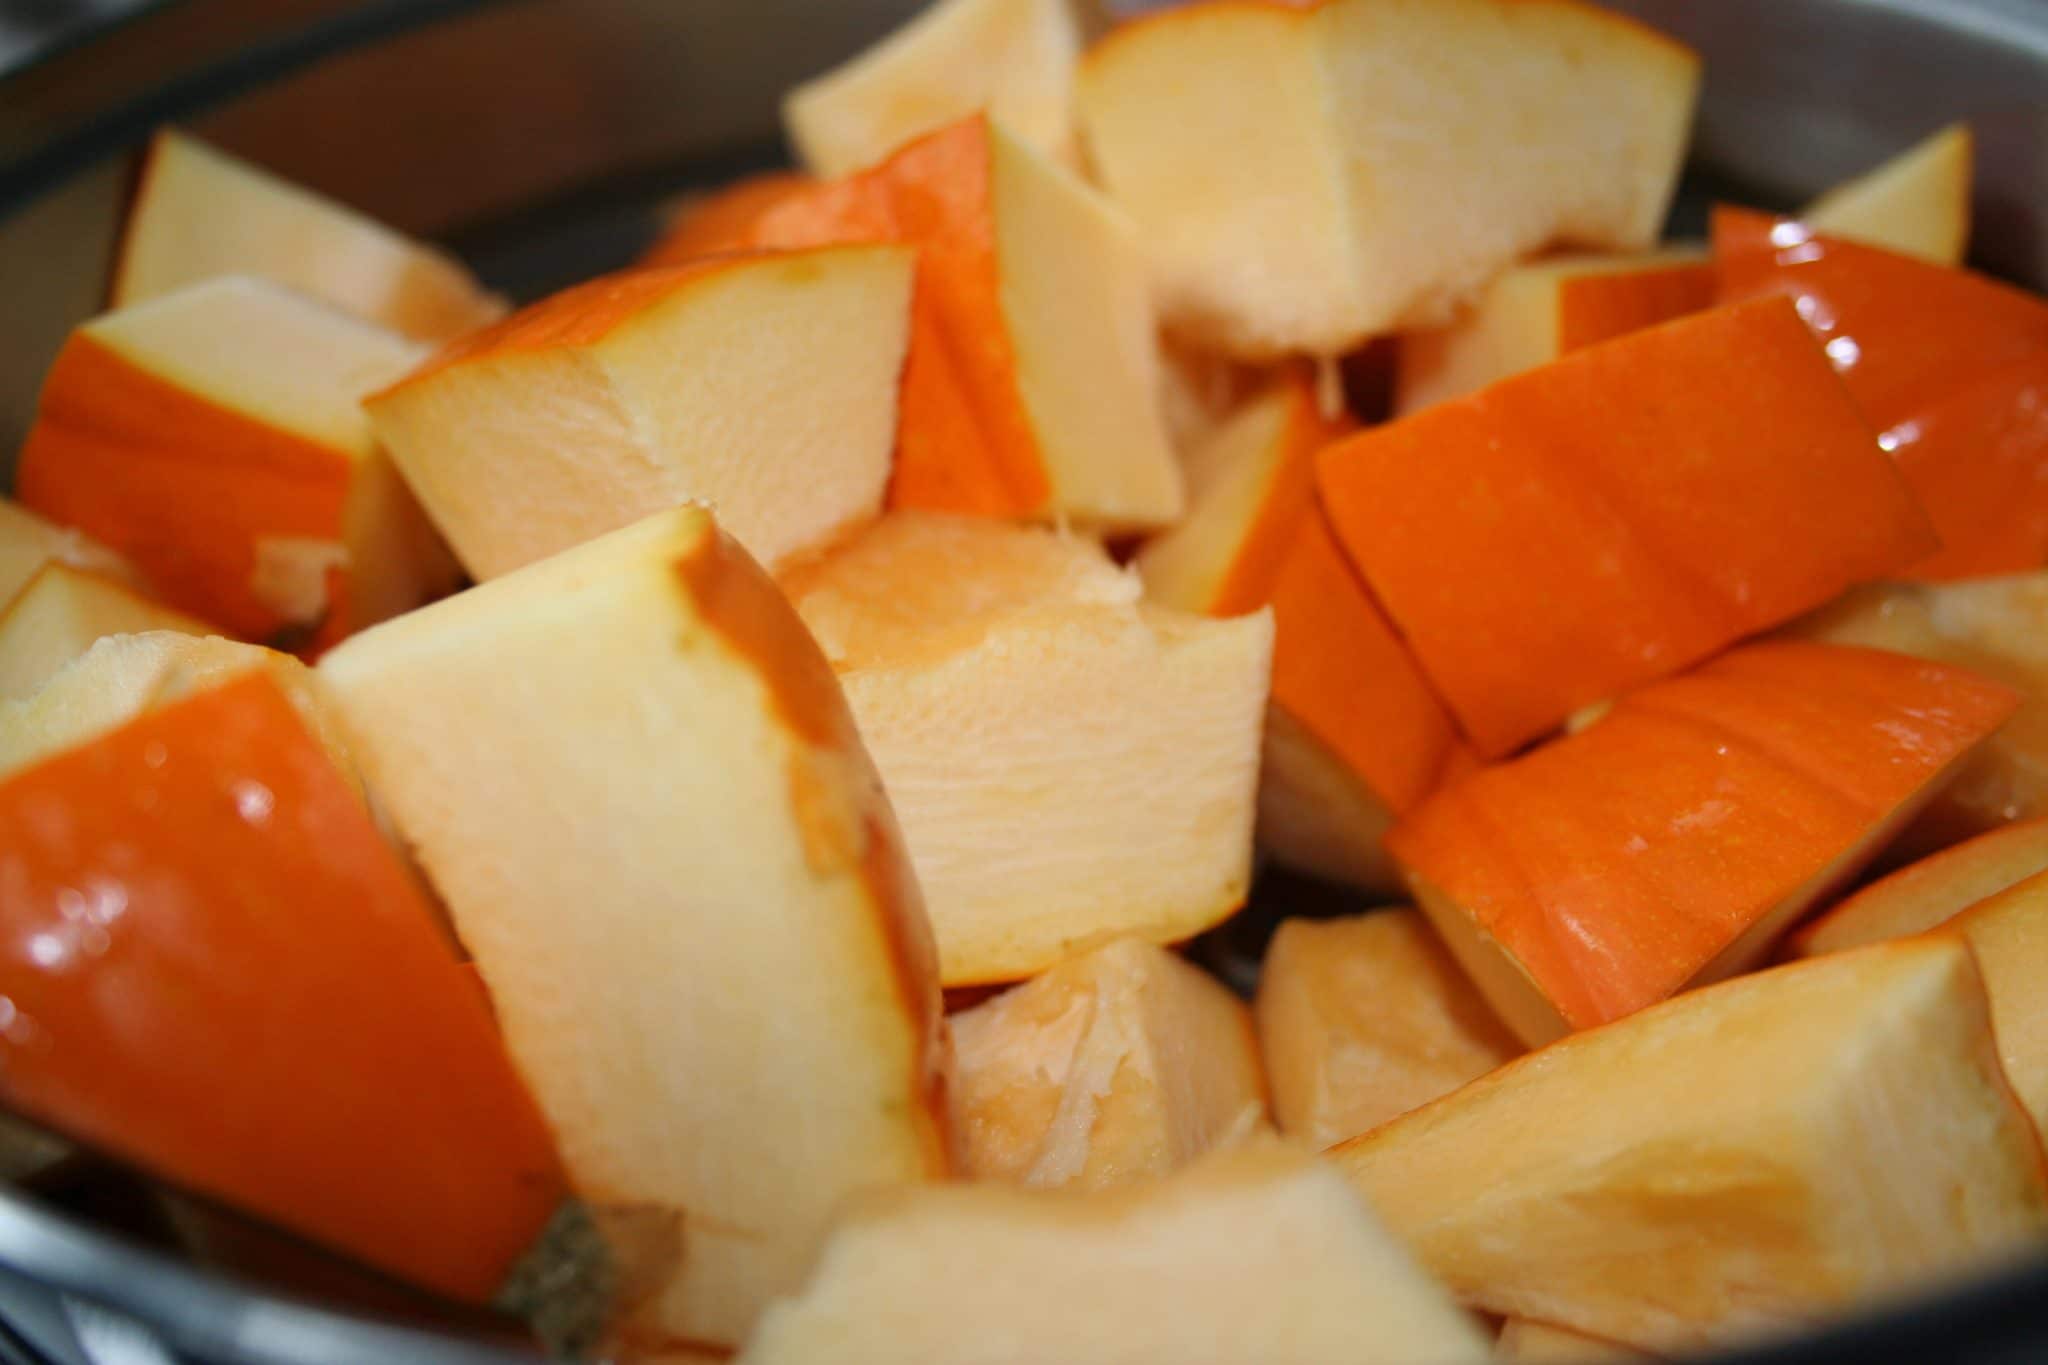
1343,674
182,487
214,966
1603,305
1618,864
1951,368
965,441
1618,515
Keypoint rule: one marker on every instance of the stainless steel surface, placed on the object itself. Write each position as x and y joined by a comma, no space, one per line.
541,136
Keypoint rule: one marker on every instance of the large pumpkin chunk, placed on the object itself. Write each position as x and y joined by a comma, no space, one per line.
1675,840
631,777
216,967
1747,1159
1618,515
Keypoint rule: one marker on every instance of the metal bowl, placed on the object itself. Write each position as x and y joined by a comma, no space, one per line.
540,139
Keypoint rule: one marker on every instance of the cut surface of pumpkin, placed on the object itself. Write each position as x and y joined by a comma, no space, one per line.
1744,1160
1119,1064
1069,764
1364,1018
1268,154
1916,203
1928,893
762,385
28,542
59,615
1031,388
673,792
1012,58
1259,1253
119,677
199,213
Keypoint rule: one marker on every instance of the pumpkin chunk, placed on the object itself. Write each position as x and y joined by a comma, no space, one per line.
1618,515
1070,765
1355,734
762,385
627,767
214,437
1364,1018
1673,841
1031,388
1118,1064
1747,1159
1950,367
1270,155
248,995
1259,1253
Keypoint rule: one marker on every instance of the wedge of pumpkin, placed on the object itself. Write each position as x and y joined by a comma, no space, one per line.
1672,842
217,968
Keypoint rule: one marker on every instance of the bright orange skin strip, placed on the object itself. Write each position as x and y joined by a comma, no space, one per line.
581,315
1618,515
965,442
215,966
1616,864
1255,570
1604,305
730,593
181,486
1338,667
1952,367
1341,671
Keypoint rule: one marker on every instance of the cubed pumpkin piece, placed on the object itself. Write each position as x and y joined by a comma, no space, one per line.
218,969
1537,558
1255,1254
1069,765
684,890
763,385
1364,1018
1012,58
1673,841
1950,367
1269,154
1532,314
1528,1340
1932,891
28,542
1122,1063
1748,1159
1917,203
1994,626
214,437
198,214
59,615
1355,735
121,676
1031,388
